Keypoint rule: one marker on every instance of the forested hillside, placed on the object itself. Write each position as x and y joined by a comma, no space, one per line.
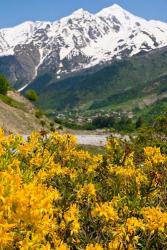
131,83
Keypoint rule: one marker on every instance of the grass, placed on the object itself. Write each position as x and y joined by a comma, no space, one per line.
11,102
92,149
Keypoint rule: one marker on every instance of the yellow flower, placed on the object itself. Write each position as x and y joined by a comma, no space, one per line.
132,224
6,235
37,160
87,190
62,246
116,244
52,194
154,218
71,217
25,148
153,156
1,150
94,247
2,135
106,211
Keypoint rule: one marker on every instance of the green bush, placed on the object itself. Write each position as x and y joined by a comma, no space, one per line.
4,85
38,114
43,123
31,95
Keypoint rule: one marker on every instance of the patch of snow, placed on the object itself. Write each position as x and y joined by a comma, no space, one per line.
59,71
22,88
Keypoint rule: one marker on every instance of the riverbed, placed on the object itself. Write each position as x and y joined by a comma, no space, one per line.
97,139
93,138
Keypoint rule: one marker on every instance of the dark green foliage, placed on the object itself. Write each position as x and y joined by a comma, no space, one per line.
43,123
51,124
160,124
31,95
139,123
38,114
4,85
103,122
154,134
122,124
125,124
57,120
76,126
52,129
60,127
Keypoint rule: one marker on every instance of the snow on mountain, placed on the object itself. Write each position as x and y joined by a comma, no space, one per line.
80,41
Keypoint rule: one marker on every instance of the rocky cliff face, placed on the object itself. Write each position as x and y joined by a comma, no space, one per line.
74,43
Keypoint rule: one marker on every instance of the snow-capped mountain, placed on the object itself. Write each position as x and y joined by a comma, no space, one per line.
76,42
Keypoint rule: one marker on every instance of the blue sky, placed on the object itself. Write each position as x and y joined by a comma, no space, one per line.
16,11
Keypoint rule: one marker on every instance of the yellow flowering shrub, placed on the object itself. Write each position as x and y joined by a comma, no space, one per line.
106,211
71,218
154,219
153,156
94,247
55,196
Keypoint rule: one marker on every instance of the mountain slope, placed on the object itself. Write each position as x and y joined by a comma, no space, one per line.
17,114
75,43
134,82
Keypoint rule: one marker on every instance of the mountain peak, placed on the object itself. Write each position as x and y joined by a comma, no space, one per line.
76,42
77,14
116,6
114,9
80,12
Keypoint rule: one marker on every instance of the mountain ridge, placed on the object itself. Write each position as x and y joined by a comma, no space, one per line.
74,43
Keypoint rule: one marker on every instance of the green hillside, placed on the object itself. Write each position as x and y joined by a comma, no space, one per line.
129,84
